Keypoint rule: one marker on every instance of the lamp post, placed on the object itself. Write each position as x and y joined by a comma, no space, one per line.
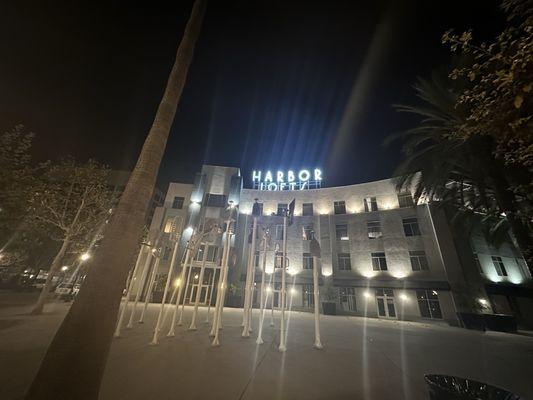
315,252
211,288
288,213
249,283
140,285
192,326
264,296
151,284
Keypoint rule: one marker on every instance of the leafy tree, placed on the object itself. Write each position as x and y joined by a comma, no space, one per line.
15,180
70,202
84,337
461,172
498,101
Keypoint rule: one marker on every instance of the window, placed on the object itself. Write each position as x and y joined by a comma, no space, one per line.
499,266
212,253
308,232
410,227
341,232
216,200
428,303
419,262
166,253
339,207
259,208
374,229
379,262
478,264
370,204
307,209
278,259
200,253
308,298
307,261
282,209
256,258
405,200
347,298
344,261
279,232
178,202
169,225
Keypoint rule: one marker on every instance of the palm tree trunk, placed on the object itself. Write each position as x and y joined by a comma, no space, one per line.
74,363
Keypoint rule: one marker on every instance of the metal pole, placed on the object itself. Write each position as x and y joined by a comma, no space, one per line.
263,298
282,346
140,286
273,292
150,288
225,252
217,319
211,288
181,281
249,283
199,289
155,339
318,344
180,321
128,294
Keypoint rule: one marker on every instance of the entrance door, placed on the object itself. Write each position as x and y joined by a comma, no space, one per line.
203,294
385,302
347,299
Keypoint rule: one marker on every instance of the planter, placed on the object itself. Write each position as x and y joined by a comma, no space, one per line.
329,308
500,322
444,387
472,321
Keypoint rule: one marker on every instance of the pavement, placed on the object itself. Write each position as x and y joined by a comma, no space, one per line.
361,359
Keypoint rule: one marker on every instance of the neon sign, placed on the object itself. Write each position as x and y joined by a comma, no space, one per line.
287,180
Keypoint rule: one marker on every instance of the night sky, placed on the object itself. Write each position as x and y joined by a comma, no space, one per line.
273,84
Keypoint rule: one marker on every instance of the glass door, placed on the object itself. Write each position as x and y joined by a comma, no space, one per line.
385,303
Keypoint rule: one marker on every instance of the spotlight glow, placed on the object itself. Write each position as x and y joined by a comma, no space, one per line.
85,256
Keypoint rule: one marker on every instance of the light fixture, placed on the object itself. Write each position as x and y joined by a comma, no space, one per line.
196,276
268,289
366,295
293,291
85,256
404,297
64,268
483,302
177,282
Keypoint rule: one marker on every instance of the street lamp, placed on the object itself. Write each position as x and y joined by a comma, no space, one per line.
64,268
85,256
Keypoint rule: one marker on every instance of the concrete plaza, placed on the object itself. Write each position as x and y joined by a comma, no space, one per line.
361,359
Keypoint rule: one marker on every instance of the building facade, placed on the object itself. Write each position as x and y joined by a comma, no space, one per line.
381,255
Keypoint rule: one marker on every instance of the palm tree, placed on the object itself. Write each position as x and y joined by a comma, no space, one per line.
74,363
463,173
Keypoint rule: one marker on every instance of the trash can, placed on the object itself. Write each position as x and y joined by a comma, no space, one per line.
445,387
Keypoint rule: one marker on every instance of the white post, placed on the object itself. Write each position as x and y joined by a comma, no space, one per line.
273,286
199,289
155,339
128,294
150,287
263,298
318,344
180,320
282,346
140,286
211,288
217,318
225,252
249,283
181,282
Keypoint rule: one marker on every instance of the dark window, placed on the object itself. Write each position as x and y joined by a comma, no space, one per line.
419,262
178,202
428,303
307,209
339,207
260,208
347,298
212,253
499,266
410,227
405,200
374,229
344,261
282,209
307,261
166,253
256,259
200,253
341,232
308,232
370,204
216,200
379,261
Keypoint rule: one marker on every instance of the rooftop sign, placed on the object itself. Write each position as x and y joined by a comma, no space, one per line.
287,180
